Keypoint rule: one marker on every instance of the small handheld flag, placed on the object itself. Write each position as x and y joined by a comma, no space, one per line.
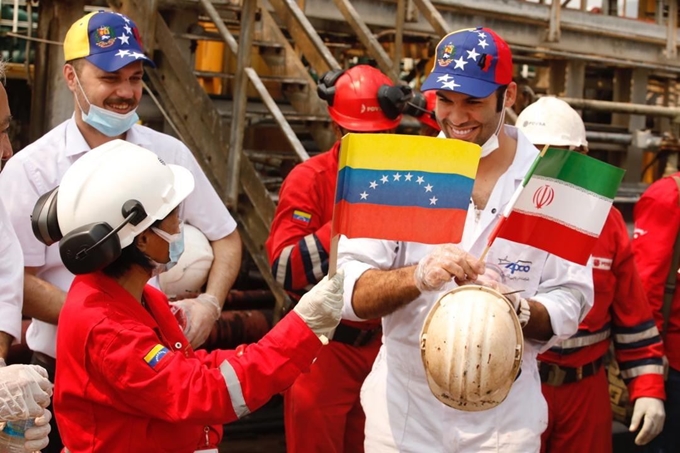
562,204
403,187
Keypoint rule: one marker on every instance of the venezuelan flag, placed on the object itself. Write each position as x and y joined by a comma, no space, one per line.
404,187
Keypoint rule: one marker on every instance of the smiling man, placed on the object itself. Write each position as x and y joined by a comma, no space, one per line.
401,281
104,68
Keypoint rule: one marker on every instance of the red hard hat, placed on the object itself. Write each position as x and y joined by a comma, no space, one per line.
428,118
353,100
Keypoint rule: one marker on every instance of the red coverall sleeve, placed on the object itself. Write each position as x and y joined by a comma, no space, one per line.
299,241
218,387
637,343
657,222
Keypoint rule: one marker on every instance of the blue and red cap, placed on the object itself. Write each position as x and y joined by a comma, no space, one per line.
108,40
473,61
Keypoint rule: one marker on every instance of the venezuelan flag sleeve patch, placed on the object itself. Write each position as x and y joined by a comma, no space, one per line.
155,355
301,216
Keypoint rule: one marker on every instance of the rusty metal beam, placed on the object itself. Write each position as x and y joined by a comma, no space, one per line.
240,97
304,35
367,39
276,113
433,17
399,35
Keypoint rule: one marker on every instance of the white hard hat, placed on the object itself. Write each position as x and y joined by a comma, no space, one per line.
96,186
551,121
471,345
190,273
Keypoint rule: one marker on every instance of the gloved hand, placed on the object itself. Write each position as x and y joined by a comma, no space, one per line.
36,435
25,391
654,415
520,304
321,307
201,314
444,263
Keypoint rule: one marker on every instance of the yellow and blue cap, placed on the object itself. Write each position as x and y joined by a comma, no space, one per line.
108,40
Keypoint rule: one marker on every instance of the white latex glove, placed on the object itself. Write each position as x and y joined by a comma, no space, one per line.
654,415
25,391
201,314
36,435
321,307
443,264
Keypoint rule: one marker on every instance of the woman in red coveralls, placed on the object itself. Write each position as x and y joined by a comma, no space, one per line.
127,379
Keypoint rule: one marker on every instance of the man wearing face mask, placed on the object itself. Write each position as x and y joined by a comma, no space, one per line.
401,281
104,69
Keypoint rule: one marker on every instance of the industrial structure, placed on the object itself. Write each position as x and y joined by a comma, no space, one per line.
236,79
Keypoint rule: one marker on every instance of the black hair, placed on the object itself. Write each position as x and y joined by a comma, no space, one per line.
129,257
500,97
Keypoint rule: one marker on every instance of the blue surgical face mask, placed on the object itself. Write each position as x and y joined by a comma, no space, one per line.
109,123
176,247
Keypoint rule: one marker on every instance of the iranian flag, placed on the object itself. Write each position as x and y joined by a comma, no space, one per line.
562,204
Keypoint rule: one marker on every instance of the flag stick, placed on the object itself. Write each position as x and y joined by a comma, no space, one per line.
333,256
511,204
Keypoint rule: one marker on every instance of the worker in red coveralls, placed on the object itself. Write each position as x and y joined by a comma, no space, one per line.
322,411
574,381
657,226
128,380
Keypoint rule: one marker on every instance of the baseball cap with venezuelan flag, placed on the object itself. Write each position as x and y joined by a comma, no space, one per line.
473,61
107,40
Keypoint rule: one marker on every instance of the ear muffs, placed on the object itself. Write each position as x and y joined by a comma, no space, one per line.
392,99
92,247
416,106
326,87
44,221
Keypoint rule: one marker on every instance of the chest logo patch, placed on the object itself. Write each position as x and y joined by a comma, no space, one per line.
155,355
604,264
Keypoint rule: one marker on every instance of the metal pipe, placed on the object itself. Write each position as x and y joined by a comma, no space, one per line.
609,137
623,107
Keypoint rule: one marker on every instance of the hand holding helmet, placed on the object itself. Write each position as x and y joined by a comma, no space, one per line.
443,264
321,307
25,391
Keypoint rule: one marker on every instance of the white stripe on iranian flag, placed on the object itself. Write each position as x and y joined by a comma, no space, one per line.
564,203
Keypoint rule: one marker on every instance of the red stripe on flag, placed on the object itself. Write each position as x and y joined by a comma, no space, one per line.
399,223
550,236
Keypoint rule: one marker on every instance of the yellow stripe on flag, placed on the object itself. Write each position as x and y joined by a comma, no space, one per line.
409,153
150,356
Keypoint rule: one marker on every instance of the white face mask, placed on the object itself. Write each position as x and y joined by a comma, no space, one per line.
492,143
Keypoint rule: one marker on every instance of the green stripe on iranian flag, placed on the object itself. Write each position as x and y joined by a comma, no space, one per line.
580,170
564,203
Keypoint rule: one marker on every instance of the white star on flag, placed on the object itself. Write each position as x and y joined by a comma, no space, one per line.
364,195
444,78
433,200
124,39
472,54
420,180
481,34
384,179
428,188
397,177
123,53
408,176
137,55
452,85
483,43
373,184
460,63
128,29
